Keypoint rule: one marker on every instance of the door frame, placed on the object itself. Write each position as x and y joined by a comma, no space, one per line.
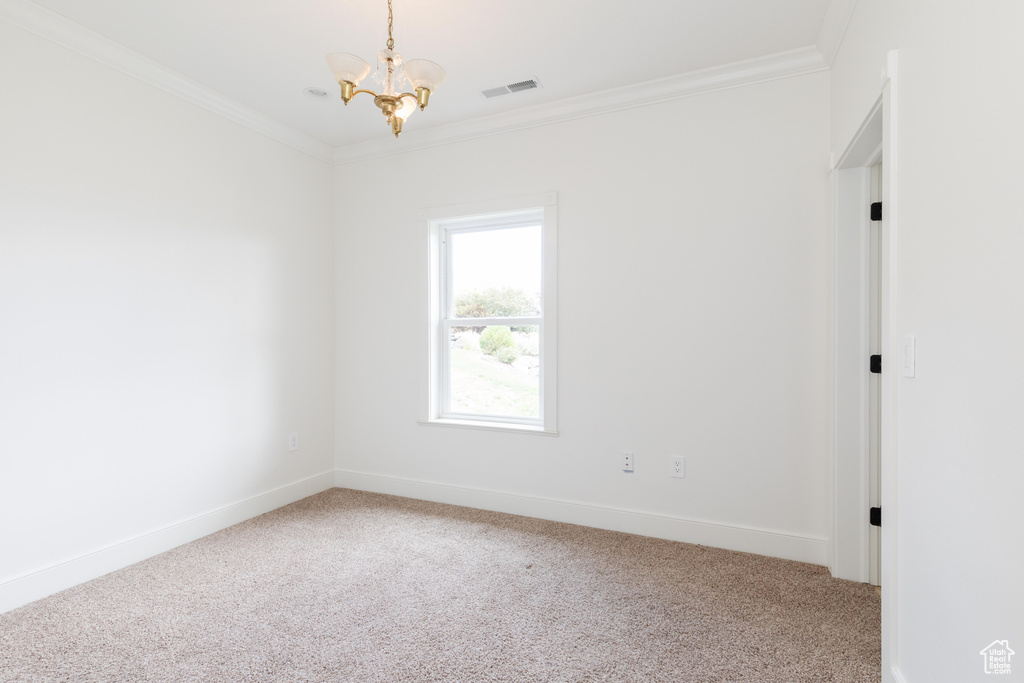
848,542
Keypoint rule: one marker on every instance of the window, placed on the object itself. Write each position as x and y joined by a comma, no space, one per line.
491,322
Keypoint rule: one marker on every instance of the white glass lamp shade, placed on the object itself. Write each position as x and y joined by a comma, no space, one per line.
423,73
407,108
348,68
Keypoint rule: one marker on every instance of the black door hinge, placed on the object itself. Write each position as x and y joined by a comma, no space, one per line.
876,364
876,517
876,211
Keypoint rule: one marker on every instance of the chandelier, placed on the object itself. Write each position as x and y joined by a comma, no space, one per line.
392,75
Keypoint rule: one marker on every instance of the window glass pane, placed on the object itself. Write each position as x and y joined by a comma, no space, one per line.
495,371
496,273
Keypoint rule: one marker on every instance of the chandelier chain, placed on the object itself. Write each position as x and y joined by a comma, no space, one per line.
391,19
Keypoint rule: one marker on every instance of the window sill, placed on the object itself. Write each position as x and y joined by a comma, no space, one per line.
488,426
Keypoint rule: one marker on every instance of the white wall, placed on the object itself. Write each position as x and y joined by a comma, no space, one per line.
694,313
166,310
961,288
961,292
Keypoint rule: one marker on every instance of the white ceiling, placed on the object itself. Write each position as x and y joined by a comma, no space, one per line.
264,53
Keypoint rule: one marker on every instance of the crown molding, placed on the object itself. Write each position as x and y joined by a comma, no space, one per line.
833,28
62,31
782,65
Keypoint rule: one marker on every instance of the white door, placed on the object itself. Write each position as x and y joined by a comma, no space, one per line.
875,380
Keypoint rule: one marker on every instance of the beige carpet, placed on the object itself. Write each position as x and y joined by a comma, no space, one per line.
351,586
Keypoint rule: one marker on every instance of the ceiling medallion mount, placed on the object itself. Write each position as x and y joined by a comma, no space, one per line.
392,74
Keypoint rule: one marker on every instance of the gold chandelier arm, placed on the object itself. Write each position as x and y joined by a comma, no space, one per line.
359,91
422,96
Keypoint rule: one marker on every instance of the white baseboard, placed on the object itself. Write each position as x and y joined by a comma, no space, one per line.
744,539
897,677
48,580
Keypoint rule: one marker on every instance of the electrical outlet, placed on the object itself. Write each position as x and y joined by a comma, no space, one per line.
676,469
627,461
293,441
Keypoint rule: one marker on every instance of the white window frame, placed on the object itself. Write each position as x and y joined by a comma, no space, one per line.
440,222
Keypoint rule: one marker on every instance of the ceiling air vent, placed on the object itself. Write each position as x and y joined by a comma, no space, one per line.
518,86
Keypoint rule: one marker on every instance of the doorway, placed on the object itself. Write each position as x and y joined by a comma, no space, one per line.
865,420
857,336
